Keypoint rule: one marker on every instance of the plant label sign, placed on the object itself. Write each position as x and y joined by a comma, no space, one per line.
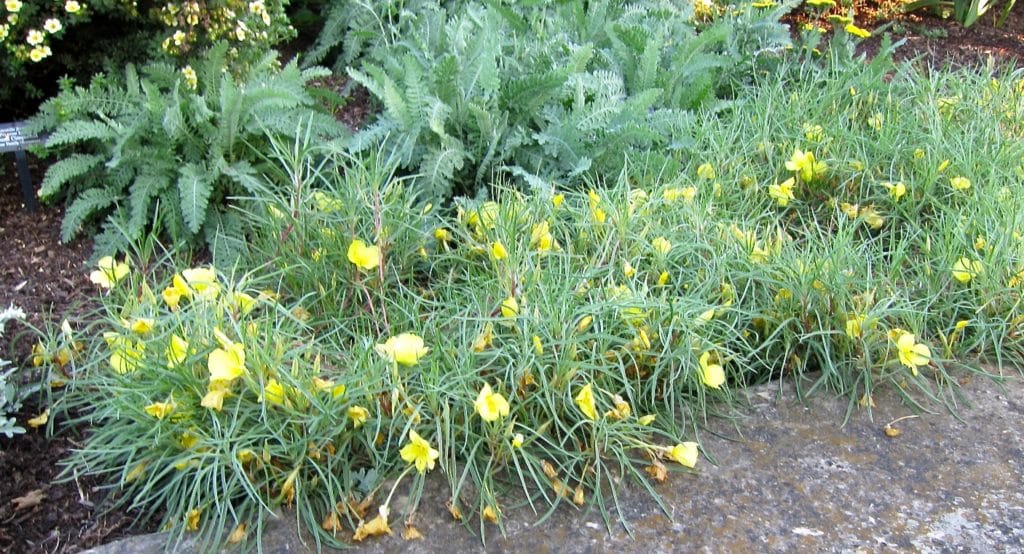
14,139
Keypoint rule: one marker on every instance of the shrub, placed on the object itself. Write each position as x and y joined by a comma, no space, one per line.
562,92
174,147
35,36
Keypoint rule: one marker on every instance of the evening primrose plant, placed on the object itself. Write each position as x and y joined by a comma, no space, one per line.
536,347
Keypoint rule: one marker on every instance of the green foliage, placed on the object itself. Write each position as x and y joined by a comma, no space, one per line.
613,322
561,91
10,399
351,29
965,12
155,144
45,40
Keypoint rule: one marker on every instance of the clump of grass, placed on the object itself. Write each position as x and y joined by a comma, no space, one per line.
821,230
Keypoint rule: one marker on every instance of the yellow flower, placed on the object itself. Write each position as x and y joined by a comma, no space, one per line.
273,393
918,154
966,269
598,215
647,419
498,251
944,165
358,415
227,364
140,325
109,272
13,6
871,217
126,355
980,243
405,349
851,210
960,183
374,527
364,257
663,278
706,171
541,238
896,190
216,391
40,419
161,410
538,347
557,200
490,405
510,307
711,374
622,409
192,520
585,401
672,194
328,385
173,294
52,25
484,340
911,353
203,282
813,133
188,440
419,452
684,453
584,323
35,37
705,316
628,270
856,31
191,78
442,235
241,301
782,192
71,6
661,245
854,326
517,440
805,166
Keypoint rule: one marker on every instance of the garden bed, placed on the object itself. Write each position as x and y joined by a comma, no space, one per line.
46,279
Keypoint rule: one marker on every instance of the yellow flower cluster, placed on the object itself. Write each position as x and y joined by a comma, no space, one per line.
35,46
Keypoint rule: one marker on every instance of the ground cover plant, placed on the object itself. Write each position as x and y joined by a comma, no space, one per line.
848,226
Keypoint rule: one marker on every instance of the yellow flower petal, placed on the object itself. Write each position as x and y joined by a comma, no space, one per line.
419,453
490,405
585,401
364,257
684,453
405,349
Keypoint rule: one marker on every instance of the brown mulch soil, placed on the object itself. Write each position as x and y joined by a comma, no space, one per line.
49,279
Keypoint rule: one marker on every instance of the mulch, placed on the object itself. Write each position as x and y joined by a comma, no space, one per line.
49,280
